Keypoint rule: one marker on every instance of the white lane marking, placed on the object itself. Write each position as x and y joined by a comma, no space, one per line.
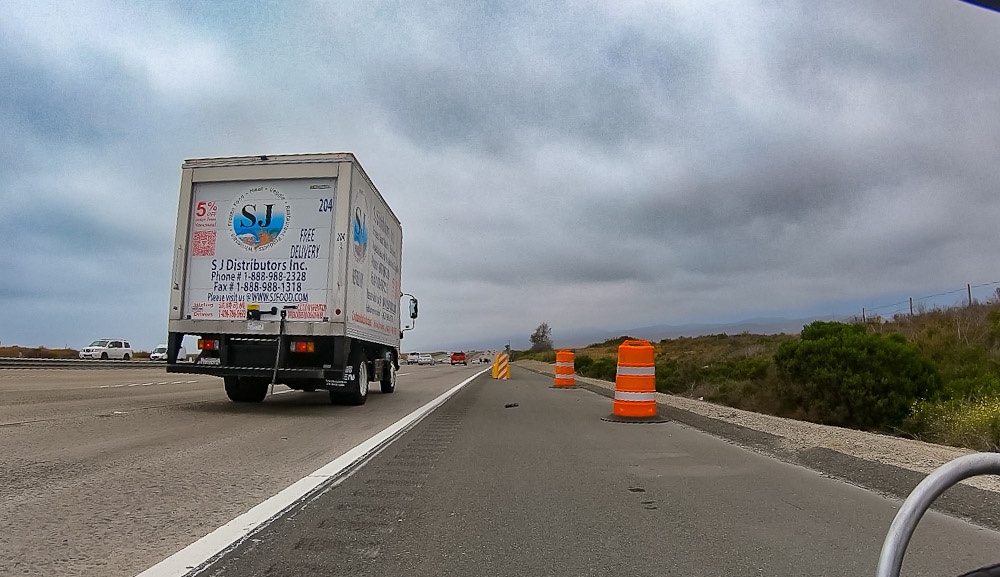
283,392
193,557
401,374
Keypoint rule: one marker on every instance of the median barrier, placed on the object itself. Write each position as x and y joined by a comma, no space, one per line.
35,363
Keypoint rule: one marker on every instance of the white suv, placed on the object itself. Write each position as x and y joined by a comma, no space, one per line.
107,349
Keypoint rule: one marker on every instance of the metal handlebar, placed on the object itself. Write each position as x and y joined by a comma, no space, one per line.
951,473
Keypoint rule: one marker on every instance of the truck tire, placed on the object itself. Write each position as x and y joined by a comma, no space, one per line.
245,389
254,390
233,389
127,357
389,380
104,356
359,395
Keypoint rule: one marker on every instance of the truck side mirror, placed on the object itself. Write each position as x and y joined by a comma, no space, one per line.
413,308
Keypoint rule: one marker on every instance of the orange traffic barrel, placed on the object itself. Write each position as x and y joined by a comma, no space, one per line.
635,384
565,377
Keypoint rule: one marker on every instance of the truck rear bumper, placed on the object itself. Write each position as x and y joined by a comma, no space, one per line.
296,378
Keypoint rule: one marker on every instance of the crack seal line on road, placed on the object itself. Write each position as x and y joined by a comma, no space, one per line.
146,384
199,555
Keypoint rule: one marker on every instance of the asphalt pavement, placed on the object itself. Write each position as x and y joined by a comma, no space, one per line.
104,473
482,487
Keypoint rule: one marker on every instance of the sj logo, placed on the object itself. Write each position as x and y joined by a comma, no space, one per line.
259,218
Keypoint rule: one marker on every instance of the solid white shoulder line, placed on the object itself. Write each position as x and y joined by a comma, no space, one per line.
196,555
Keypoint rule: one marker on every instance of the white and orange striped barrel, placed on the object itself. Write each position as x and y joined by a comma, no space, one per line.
565,375
635,382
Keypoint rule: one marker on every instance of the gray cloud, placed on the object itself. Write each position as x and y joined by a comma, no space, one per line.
588,164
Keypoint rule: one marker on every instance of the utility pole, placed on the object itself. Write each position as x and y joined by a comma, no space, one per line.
863,319
970,293
911,306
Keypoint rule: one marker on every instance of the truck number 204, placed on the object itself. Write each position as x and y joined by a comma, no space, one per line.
325,205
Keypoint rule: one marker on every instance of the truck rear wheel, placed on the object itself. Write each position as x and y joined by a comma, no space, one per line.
254,390
245,390
359,395
233,390
389,378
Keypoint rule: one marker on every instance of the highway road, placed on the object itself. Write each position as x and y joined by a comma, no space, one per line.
106,472
104,478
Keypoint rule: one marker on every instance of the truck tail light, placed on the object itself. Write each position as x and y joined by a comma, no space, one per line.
303,347
208,344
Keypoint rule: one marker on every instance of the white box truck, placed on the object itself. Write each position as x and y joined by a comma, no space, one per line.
287,270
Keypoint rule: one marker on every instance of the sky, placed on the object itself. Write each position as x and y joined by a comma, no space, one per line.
592,165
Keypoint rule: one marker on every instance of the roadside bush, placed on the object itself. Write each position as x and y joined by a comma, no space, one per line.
38,353
581,362
604,369
675,377
974,424
839,374
543,356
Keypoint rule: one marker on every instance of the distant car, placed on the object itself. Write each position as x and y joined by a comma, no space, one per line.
425,360
160,354
107,349
458,357
412,358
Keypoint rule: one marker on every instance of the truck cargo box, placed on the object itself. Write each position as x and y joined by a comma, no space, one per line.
272,248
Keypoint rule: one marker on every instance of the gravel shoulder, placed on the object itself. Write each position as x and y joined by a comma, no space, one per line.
889,465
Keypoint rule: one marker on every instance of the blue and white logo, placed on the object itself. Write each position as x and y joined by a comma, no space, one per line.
359,228
259,218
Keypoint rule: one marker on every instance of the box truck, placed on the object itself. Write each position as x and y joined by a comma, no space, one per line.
287,270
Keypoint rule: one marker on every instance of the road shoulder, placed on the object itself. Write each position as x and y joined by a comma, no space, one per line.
822,448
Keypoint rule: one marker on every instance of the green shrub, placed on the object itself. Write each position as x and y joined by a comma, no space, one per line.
605,369
543,356
974,424
581,362
674,376
842,375
615,341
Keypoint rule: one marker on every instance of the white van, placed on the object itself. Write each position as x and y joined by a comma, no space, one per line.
160,354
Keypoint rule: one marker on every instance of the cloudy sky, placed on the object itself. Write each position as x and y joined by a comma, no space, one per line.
589,164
